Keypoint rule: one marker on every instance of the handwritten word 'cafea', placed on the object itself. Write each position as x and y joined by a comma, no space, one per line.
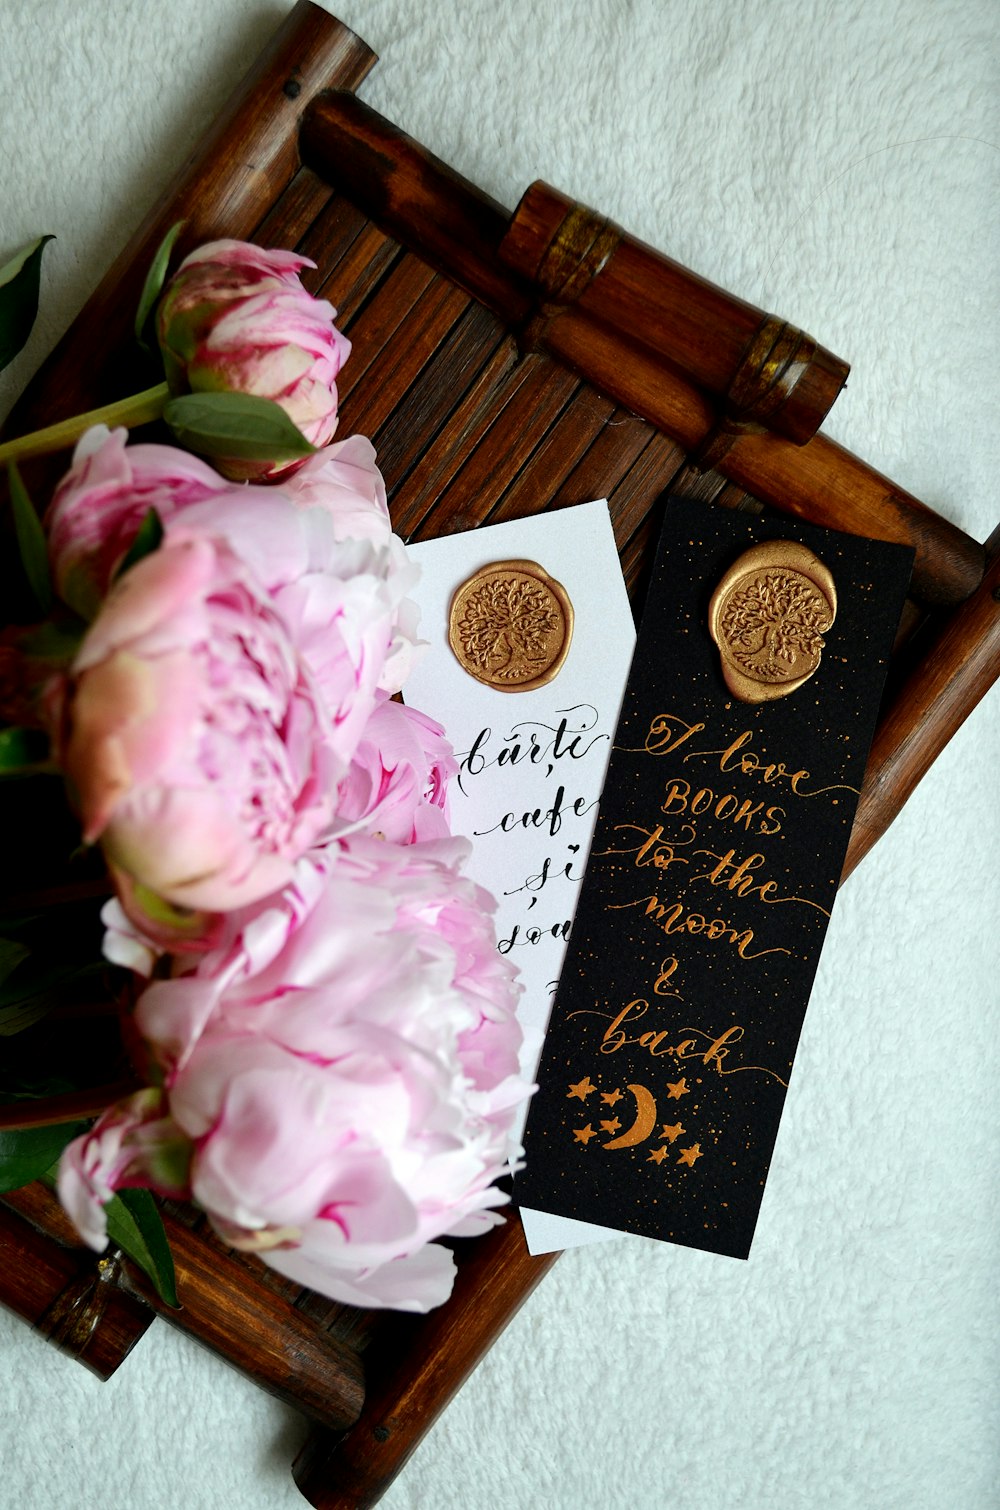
675,917
710,1048
550,819
534,742
669,733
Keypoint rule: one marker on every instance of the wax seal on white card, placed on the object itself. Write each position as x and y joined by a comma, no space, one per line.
510,626
768,617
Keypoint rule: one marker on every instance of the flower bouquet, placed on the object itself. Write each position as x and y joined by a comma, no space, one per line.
314,1037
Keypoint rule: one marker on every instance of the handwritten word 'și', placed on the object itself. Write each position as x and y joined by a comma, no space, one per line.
535,743
710,1048
551,869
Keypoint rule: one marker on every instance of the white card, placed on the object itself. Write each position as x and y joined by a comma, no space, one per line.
532,763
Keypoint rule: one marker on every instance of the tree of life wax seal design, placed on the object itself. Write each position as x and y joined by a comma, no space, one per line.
510,626
768,617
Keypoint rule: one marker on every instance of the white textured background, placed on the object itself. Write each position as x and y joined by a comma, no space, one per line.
837,163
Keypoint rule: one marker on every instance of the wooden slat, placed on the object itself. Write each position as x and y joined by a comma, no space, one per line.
226,1306
421,202
288,220
555,457
392,370
954,662
66,1297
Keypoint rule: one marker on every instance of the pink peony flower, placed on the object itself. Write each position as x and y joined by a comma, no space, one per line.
345,1066
344,601
134,1143
220,697
397,783
344,480
235,318
192,733
338,570
99,505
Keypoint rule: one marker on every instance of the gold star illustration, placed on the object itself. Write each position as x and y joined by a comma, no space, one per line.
657,1156
688,1155
671,1131
677,1088
581,1090
584,1134
610,1097
612,1126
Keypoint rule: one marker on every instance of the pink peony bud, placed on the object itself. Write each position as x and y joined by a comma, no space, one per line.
236,319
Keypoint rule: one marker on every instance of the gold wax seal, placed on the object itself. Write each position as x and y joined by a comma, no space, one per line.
510,625
768,617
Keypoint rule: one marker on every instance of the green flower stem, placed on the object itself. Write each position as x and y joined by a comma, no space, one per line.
138,409
72,1106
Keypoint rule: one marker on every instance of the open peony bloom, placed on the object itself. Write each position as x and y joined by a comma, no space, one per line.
191,733
345,1068
222,693
236,319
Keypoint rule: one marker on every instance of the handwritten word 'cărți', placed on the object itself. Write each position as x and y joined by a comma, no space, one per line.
534,742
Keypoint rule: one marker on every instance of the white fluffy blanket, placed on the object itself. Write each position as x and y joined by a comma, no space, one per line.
837,163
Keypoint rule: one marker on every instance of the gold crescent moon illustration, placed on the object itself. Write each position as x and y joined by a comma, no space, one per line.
645,1120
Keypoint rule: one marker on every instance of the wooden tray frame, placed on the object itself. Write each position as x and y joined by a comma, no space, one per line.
502,364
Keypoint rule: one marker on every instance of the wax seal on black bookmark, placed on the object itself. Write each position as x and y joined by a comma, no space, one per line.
768,617
510,626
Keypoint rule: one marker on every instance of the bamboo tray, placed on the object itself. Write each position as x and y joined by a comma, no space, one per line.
502,364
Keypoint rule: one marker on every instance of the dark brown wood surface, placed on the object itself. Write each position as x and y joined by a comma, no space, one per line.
226,1305
502,364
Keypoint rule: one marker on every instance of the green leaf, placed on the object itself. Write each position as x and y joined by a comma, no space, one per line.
19,298
148,540
236,427
54,641
30,540
13,921
23,752
37,988
155,279
135,1226
26,1155
23,1014
11,955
